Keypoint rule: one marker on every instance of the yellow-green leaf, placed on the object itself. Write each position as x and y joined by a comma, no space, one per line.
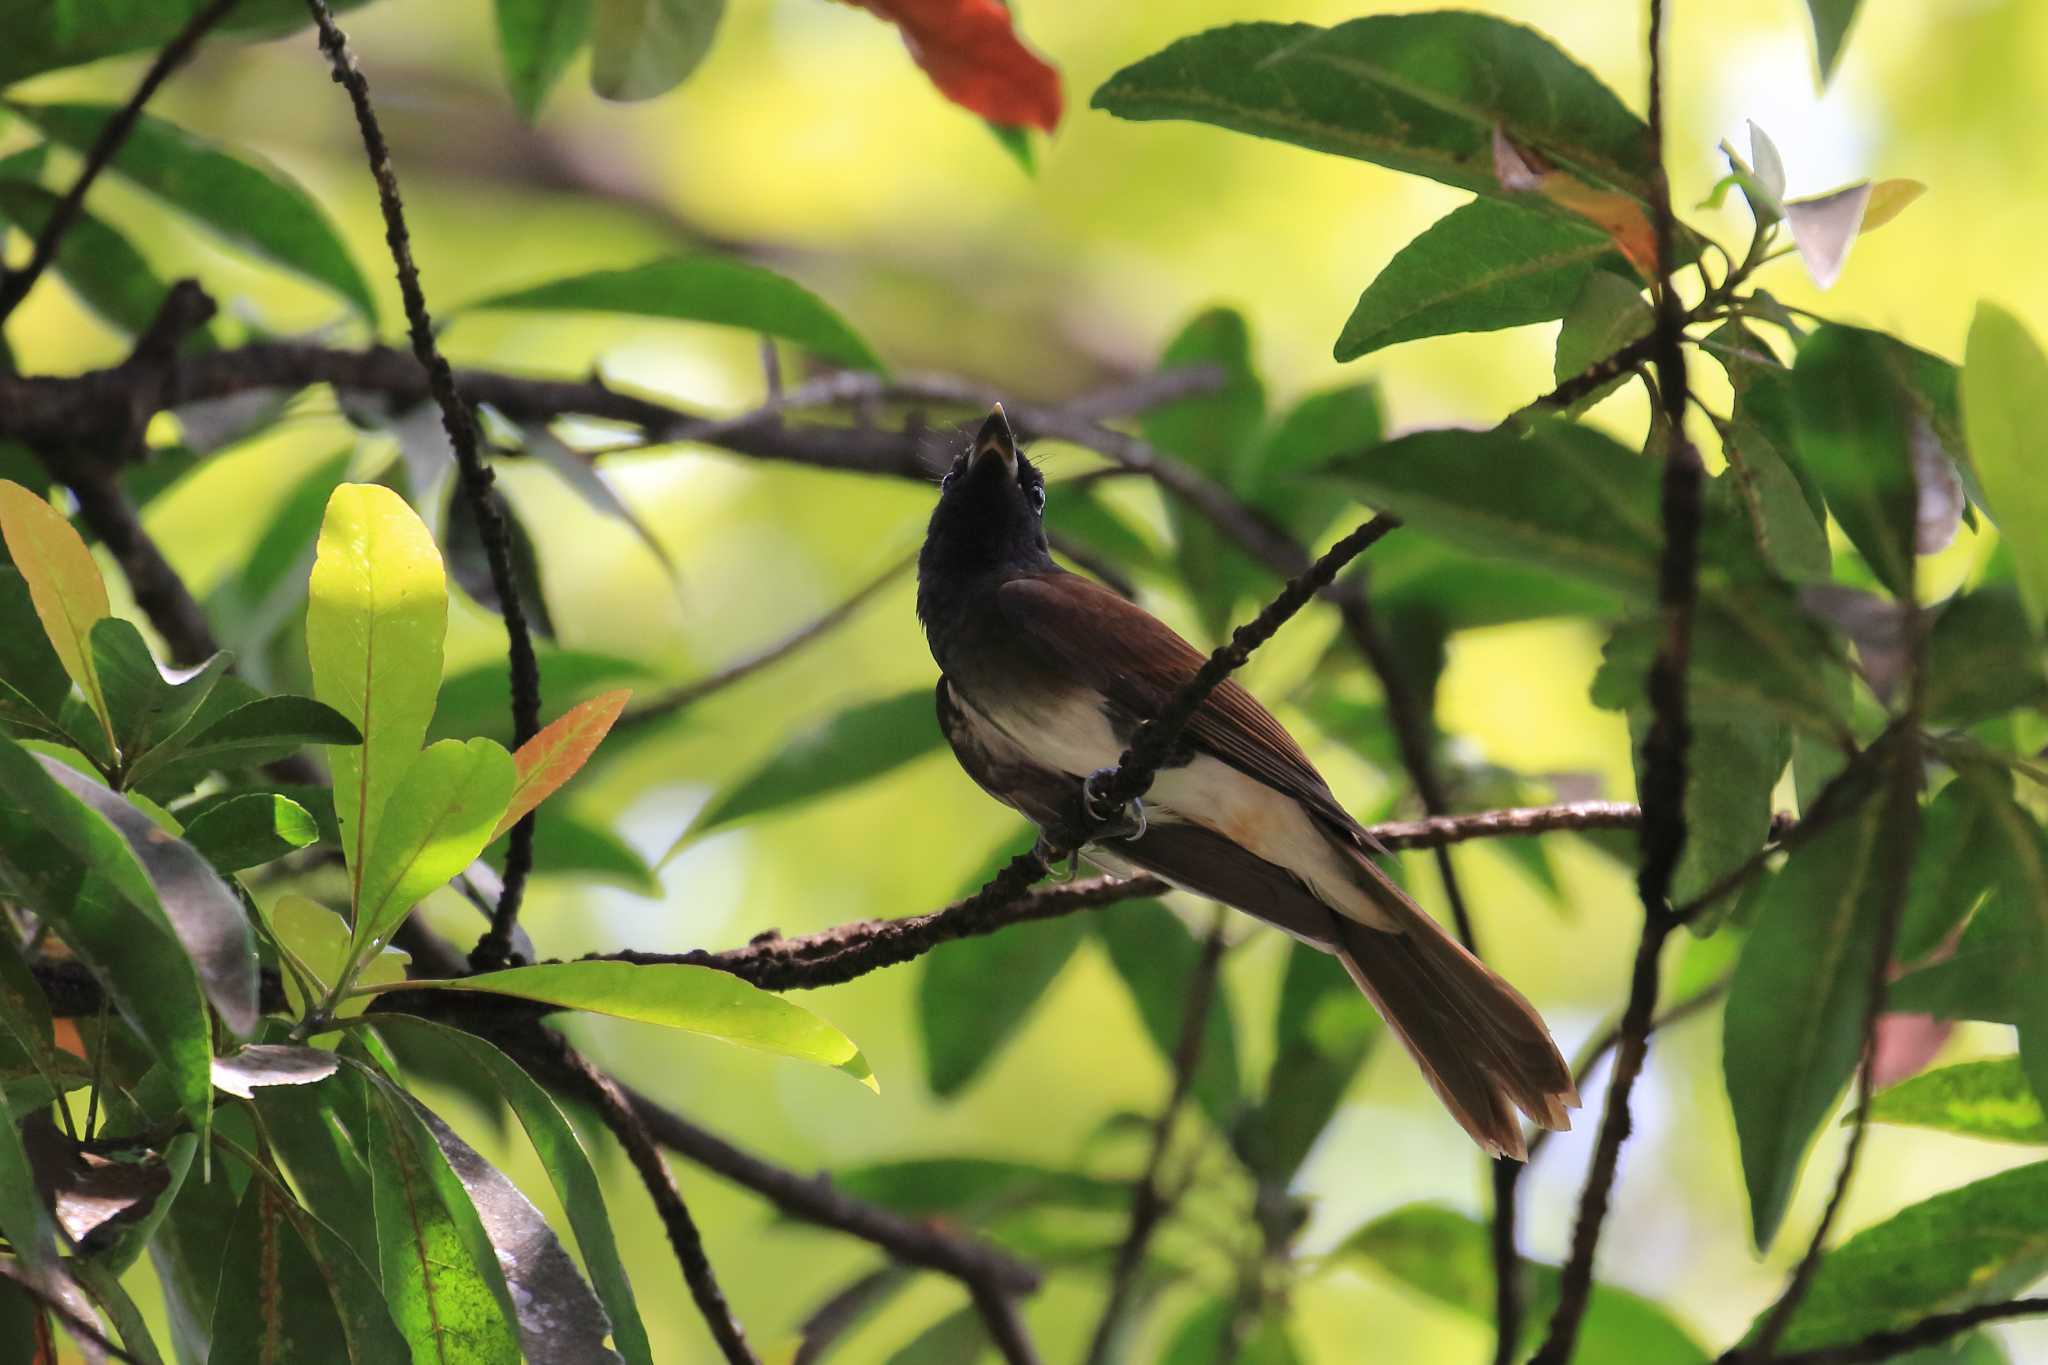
552,757
318,940
438,819
676,995
2004,373
63,583
1889,199
376,612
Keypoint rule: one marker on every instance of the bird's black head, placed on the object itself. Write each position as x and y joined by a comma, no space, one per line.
989,522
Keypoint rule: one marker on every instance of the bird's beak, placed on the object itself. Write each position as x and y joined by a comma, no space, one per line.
995,441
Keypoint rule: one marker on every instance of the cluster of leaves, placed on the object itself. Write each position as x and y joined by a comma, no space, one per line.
332,1209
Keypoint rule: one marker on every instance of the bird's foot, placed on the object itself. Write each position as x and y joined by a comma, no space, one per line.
1118,822
1057,869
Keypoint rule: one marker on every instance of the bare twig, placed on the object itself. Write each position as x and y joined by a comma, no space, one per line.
15,284
1898,1341
1150,1204
689,694
1664,749
626,1125
495,947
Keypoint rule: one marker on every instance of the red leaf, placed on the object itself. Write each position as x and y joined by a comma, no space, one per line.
976,59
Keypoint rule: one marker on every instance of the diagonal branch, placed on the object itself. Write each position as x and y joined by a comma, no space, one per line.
495,947
1929,1331
15,284
604,1093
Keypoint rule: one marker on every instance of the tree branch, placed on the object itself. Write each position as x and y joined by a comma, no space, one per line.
15,284
603,1093
1664,749
495,947
1149,1203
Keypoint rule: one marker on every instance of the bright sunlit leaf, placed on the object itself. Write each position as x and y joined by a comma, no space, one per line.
376,612
63,582
439,817
676,995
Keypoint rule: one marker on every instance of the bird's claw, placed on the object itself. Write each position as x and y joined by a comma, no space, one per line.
1057,869
1117,822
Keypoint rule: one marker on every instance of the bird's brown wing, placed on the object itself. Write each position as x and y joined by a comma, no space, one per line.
1137,662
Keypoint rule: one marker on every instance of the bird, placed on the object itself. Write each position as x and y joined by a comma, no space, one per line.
1045,675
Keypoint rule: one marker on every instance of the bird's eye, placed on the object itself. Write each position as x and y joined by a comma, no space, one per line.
1036,492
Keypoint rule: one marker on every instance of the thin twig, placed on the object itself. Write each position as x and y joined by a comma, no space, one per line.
15,284
689,694
627,1126
1150,1204
1898,1341
495,947
1664,749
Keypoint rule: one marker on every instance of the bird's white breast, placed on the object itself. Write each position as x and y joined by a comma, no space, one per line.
1070,732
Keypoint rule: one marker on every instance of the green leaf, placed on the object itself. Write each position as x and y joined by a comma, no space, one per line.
851,747
64,586
1421,93
285,547
1732,767
1831,20
1486,265
1156,957
250,830
246,733
1996,969
1956,862
568,1166
253,206
437,1272
1855,425
1608,312
107,274
273,1303
1793,1028
696,999
974,1189
644,48
1987,1099
64,860
1448,1257
973,995
36,38
318,942
1978,1244
538,39
319,1131
146,707
1321,1037
525,1265
703,289
376,612
202,910
2002,368
439,817
959,1338
1561,497
1204,1337
34,676
1215,432
1979,663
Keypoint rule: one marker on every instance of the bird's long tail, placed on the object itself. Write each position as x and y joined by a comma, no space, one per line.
1482,1047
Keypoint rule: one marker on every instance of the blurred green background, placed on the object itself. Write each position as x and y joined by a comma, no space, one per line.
810,138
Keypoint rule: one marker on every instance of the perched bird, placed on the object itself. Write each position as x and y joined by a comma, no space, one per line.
1045,677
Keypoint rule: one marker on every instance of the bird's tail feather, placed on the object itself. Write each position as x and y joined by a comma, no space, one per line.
1482,1047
